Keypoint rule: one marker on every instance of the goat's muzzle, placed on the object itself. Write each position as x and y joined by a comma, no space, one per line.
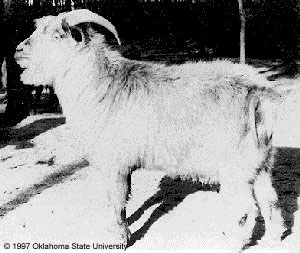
21,59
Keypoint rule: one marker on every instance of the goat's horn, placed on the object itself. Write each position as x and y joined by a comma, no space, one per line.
83,15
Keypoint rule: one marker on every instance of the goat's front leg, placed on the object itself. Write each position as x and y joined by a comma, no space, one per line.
114,191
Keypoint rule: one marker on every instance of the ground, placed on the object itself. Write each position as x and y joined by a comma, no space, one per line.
48,194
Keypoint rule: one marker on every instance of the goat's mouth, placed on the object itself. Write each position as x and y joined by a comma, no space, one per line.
22,61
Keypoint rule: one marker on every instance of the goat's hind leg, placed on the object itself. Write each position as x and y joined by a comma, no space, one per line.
267,200
240,208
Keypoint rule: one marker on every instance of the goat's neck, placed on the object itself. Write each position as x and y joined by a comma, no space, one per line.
85,83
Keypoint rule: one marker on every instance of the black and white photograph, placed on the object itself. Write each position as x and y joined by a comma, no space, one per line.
150,125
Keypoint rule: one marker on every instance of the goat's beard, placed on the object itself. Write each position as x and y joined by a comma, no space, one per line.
32,76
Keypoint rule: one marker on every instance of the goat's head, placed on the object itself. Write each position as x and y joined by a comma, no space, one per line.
56,40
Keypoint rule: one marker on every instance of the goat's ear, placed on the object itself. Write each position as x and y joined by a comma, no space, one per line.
73,31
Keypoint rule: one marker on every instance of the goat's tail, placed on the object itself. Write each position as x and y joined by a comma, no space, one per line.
261,113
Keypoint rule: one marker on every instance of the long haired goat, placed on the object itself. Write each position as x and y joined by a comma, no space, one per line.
207,121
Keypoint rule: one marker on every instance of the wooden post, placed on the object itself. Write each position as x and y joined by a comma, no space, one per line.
242,32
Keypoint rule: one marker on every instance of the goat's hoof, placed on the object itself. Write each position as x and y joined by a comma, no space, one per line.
119,234
273,236
267,241
125,236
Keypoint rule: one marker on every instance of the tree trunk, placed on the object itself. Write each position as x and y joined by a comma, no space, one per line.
242,32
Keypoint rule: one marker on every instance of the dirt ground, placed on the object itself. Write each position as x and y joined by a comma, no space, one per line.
48,194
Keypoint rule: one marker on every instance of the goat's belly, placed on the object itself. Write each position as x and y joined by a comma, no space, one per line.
205,164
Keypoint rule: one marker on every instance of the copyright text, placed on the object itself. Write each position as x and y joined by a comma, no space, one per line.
72,246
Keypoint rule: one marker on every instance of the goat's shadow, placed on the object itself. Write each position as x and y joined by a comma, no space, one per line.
21,136
171,193
286,181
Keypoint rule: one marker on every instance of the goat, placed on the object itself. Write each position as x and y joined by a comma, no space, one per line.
210,121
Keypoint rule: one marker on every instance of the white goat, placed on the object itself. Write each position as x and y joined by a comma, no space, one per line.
208,121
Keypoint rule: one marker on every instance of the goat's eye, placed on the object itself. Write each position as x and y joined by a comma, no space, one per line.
56,36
